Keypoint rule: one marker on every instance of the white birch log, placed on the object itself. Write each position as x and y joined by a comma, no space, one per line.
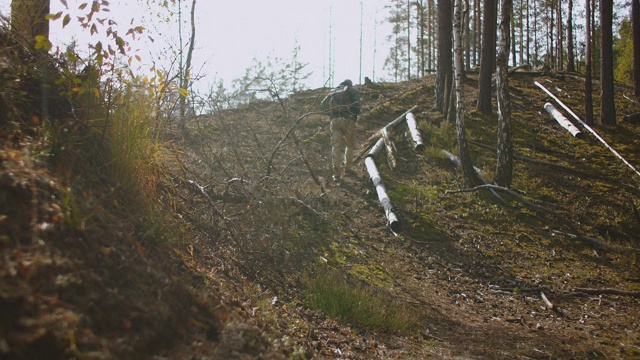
458,165
587,127
376,179
562,120
377,147
415,134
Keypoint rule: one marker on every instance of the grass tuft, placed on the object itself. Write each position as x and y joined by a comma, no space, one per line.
356,304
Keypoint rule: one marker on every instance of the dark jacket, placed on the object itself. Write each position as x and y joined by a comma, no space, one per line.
342,102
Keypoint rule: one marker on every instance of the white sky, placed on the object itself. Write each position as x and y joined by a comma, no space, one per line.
231,33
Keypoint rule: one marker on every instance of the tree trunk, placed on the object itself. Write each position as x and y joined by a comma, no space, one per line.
528,37
470,175
570,57
408,40
488,54
445,26
559,41
28,18
186,78
478,35
607,105
635,21
504,168
521,45
588,86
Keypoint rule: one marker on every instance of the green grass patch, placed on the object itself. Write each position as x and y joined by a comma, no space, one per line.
357,304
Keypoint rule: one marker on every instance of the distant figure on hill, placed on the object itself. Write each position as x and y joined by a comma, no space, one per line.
342,104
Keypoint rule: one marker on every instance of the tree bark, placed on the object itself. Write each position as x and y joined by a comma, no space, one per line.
570,56
445,26
470,175
607,104
588,86
559,41
186,78
504,168
488,54
635,21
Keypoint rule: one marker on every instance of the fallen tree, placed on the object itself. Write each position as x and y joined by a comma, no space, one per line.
587,127
562,120
413,129
374,174
374,138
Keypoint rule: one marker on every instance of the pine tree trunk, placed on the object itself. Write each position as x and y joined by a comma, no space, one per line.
560,42
504,168
488,54
444,69
635,21
588,86
570,56
607,105
470,175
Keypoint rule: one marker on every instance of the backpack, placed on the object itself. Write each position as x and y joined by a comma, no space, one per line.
341,102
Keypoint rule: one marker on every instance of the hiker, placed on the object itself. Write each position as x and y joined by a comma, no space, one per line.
342,105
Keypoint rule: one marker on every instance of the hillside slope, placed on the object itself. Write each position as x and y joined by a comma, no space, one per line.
257,220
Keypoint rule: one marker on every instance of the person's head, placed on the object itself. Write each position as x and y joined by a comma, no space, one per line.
346,83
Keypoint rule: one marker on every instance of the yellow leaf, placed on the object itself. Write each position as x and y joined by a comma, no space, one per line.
82,6
66,20
183,92
55,16
96,92
43,43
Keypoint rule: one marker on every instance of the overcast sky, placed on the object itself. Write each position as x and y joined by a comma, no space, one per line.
229,34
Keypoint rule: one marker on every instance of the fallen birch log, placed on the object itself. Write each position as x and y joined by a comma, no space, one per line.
388,144
587,127
376,179
413,129
373,138
456,162
562,120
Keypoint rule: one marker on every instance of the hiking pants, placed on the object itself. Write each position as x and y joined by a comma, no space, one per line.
343,136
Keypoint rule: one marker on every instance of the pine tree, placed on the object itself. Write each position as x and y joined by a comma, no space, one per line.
607,104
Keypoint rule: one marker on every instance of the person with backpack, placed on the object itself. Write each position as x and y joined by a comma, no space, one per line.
342,104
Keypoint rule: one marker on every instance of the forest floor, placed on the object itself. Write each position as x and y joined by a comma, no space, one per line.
259,217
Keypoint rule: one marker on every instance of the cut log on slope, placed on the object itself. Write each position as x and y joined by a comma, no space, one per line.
587,127
413,129
374,138
456,162
376,179
562,120
388,144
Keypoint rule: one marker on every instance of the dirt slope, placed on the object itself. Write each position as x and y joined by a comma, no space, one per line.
469,267
258,217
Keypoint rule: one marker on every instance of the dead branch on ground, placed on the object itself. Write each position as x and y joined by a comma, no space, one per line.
606,292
